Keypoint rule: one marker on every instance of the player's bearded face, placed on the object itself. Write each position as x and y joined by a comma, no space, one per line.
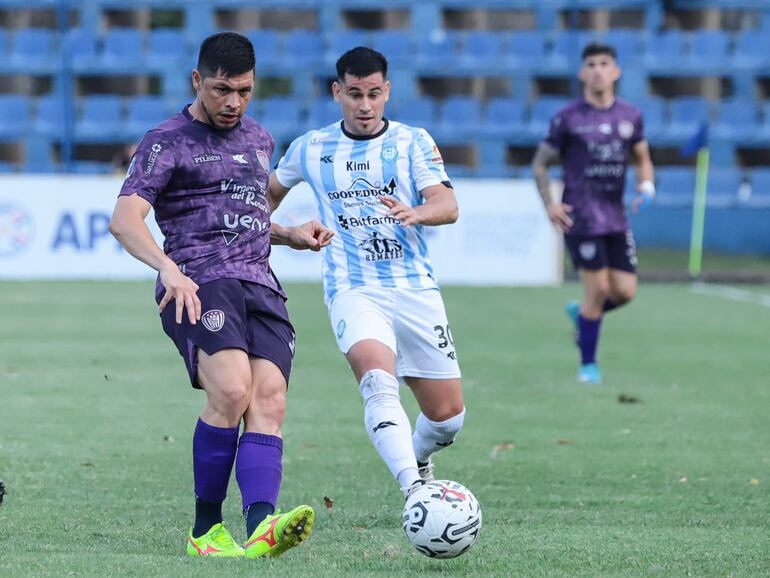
363,102
599,73
223,99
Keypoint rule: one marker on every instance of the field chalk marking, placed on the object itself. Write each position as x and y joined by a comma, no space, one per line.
732,293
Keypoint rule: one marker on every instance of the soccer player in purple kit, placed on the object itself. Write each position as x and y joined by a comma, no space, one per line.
595,137
205,172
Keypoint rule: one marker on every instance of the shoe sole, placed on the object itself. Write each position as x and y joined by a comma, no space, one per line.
296,531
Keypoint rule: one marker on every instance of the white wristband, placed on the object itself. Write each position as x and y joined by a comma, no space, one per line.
647,188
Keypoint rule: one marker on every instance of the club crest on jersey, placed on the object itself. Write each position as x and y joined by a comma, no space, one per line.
263,159
378,248
605,128
389,154
625,129
587,250
213,319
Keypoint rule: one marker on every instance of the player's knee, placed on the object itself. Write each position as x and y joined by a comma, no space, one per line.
446,412
231,399
378,384
623,295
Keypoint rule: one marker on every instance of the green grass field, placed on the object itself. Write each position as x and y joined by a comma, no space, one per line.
96,420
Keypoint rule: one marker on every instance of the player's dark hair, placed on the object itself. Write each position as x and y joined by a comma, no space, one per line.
597,48
360,62
228,53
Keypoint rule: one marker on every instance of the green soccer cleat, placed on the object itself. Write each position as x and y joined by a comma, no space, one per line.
280,532
217,542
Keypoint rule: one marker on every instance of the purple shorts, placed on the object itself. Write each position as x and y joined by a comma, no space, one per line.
594,252
234,314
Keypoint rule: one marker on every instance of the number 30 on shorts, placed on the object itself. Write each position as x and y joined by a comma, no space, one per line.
444,336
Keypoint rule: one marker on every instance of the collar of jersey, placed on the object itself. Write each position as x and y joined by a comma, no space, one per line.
379,133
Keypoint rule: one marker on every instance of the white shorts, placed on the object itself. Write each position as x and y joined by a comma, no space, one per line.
411,322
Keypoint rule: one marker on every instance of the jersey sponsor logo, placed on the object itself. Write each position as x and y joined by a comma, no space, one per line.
365,221
356,166
262,184
207,158
605,128
15,230
378,248
152,158
327,159
361,188
263,160
587,250
318,139
236,221
229,237
625,129
213,319
246,193
240,159
389,154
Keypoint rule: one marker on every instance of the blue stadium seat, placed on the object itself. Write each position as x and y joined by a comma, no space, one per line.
504,117
420,112
752,50
627,43
723,186
93,168
167,47
50,116
542,111
437,50
396,45
460,117
481,49
526,49
303,48
123,50
3,43
82,46
282,116
32,50
266,47
15,116
323,112
687,114
8,167
676,186
343,40
760,189
143,113
653,110
708,50
738,119
665,51
566,48
101,118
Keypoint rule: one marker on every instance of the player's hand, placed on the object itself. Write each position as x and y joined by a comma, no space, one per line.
404,214
311,235
183,290
645,194
559,214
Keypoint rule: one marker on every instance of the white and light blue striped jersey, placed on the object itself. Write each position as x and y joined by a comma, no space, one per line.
348,175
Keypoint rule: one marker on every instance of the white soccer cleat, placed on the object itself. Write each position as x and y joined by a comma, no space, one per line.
426,470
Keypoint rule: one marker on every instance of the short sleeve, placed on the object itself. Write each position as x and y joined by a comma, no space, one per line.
150,169
557,130
638,135
289,170
426,162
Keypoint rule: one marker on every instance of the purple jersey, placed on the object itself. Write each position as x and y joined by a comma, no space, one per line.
208,190
595,147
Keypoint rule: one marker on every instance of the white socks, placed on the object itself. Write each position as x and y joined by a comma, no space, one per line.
388,425
431,436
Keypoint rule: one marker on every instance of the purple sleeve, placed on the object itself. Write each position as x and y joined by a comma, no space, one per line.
638,135
556,132
150,169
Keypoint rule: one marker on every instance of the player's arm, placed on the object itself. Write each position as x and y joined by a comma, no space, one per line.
311,235
439,208
645,174
129,228
558,213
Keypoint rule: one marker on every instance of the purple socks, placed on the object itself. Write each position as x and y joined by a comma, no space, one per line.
588,338
213,456
259,468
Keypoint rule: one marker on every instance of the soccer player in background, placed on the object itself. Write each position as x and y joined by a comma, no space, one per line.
378,184
205,172
595,137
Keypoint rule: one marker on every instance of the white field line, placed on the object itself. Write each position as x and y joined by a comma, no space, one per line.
732,293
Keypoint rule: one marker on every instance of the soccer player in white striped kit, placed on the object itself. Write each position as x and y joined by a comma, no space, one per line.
378,184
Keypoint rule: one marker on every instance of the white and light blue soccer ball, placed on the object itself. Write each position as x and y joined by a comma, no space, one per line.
442,519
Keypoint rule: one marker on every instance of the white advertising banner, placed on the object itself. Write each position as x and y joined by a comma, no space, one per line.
56,227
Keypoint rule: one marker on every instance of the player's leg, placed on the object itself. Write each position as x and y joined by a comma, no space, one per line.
428,362
364,334
213,351
621,258
259,464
